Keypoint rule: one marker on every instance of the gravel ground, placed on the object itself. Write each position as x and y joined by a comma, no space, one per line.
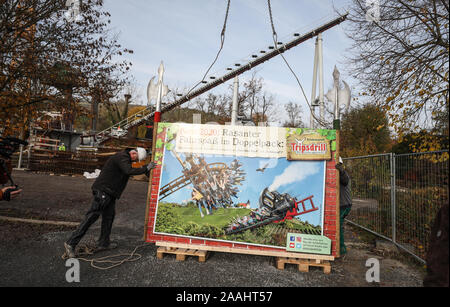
30,255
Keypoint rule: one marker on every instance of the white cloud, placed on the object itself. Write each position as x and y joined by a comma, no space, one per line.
294,173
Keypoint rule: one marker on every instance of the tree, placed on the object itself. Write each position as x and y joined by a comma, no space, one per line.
415,141
401,60
48,61
265,108
364,131
249,95
254,103
294,112
218,106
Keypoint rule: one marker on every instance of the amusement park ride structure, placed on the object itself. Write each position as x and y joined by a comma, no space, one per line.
149,112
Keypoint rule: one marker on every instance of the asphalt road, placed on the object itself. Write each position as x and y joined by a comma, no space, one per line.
30,255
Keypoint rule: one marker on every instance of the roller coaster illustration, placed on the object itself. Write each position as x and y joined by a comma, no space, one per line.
217,182
273,208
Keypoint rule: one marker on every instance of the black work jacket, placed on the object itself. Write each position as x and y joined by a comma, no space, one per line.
345,198
115,174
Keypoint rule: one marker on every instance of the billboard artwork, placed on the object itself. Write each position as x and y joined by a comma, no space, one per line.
236,183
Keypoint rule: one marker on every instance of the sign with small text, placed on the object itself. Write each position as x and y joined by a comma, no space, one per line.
302,144
304,243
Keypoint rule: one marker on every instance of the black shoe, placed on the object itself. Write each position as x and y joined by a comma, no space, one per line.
70,250
112,245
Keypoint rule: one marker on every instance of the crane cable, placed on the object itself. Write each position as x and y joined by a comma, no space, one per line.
133,256
222,41
275,41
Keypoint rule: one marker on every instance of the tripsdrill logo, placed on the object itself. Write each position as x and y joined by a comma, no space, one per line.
300,148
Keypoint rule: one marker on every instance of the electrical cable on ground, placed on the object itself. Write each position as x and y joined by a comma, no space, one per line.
87,250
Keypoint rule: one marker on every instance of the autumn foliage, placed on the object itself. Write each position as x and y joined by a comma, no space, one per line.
401,60
50,62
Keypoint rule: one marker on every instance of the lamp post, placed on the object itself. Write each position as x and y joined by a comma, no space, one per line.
157,91
318,71
339,97
337,120
235,101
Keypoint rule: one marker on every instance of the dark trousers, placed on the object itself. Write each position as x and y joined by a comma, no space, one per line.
344,211
104,205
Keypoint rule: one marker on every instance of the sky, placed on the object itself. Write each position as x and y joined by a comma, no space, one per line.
185,36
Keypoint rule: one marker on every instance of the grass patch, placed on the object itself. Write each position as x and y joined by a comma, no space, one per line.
220,217
186,220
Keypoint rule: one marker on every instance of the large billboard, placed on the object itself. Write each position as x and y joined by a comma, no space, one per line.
251,185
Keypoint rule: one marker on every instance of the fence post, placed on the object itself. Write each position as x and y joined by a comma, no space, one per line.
19,163
393,205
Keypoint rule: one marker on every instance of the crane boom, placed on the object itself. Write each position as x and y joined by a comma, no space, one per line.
148,113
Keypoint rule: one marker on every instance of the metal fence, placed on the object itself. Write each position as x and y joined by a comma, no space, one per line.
60,162
397,197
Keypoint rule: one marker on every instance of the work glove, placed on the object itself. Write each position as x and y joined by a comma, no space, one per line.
339,166
151,166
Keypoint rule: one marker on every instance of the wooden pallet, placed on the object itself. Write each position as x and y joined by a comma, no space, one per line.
304,264
245,251
304,261
181,253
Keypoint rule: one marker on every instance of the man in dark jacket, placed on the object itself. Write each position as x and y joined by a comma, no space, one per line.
345,202
106,189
